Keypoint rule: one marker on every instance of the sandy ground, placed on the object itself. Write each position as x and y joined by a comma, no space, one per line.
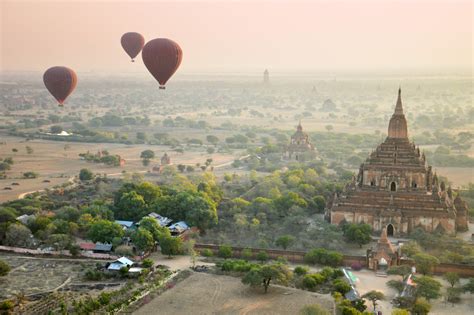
203,293
55,164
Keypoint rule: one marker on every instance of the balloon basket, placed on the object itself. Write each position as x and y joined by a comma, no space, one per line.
133,60
162,87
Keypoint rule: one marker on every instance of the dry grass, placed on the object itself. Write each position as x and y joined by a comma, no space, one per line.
212,294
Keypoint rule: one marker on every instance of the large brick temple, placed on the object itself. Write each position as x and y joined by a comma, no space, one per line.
397,190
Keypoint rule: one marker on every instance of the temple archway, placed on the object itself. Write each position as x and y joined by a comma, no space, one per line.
390,230
393,186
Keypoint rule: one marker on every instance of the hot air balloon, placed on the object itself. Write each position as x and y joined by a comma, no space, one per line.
162,58
60,82
132,43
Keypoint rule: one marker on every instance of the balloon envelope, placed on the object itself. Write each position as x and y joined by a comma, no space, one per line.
132,43
60,82
162,58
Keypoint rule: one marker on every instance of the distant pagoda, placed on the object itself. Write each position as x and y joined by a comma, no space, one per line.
300,147
396,189
266,77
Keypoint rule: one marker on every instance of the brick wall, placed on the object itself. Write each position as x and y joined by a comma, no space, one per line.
298,257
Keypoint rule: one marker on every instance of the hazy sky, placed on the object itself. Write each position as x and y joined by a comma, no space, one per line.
221,36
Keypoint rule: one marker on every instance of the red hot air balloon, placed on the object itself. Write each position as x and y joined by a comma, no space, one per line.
60,82
132,43
162,58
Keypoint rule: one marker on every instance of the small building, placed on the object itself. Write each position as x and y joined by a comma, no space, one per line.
120,263
384,255
102,248
165,159
95,248
125,224
178,228
163,221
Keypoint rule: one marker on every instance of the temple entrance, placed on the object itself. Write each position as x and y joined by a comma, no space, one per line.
393,186
389,230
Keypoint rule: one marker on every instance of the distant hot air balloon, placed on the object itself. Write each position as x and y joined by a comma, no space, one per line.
162,58
60,82
132,43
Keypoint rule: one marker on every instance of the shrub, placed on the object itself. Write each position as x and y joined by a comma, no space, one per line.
147,263
225,251
324,257
4,268
311,281
7,305
206,252
262,256
341,286
93,275
247,254
301,271
124,250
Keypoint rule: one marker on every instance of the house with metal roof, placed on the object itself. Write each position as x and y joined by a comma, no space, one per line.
163,221
125,224
120,263
178,227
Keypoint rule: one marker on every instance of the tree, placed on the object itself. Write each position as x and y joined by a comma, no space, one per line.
193,255
453,295
212,139
396,285
427,287
104,231
29,150
181,167
425,263
59,241
452,278
151,225
402,270
147,155
313,309
30,175
4,166
147,263
56,129
469,286
285,241
358,233
265,274
85,174
319,203
329,127
421,307
262,256
225,251
131,206
170,245
18,235
374,296
4,268
411,248
143,239
341,286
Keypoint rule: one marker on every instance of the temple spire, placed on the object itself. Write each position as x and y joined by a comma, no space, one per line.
399,107
397,127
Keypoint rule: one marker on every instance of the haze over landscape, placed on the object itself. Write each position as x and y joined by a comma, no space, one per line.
256,157
244,36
